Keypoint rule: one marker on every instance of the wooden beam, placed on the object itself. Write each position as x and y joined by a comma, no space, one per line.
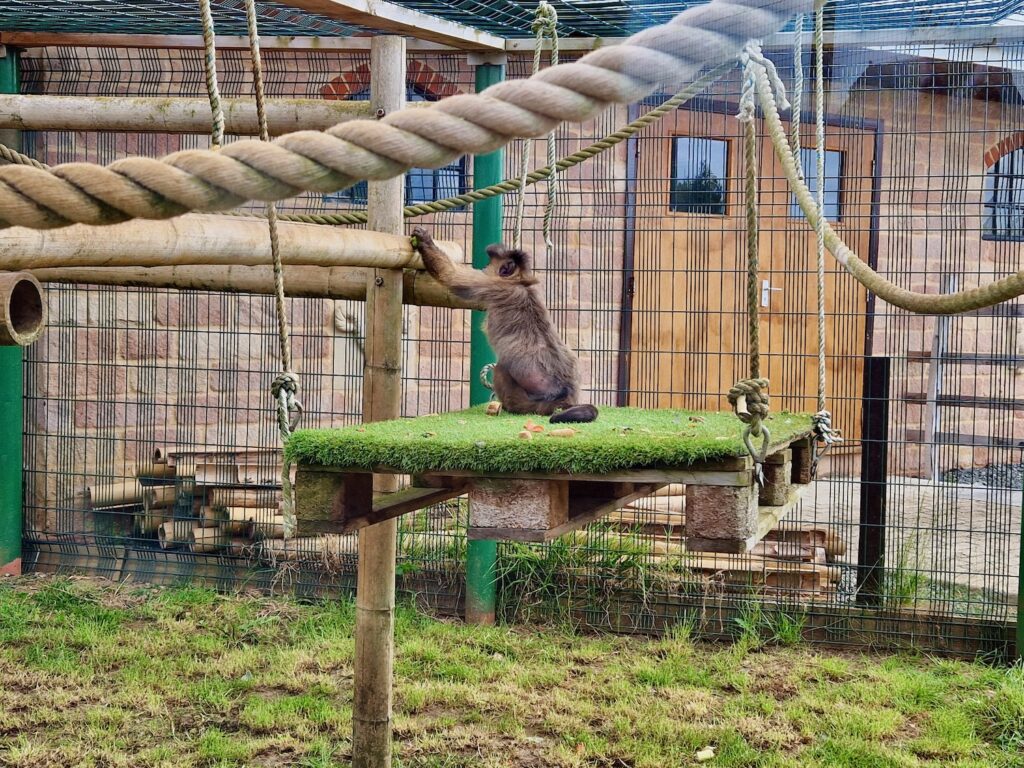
205,239
394,19
418,288
171,115
355,44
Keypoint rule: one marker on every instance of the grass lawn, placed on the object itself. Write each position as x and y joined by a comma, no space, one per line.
93,674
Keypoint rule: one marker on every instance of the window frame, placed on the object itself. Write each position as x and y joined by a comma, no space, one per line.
673,154
810,173
358,193
1015,184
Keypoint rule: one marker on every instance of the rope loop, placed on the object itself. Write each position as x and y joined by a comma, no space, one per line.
285,391
825,436
749,399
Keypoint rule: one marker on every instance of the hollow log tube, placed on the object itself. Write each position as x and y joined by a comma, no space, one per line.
382,399
482,555
11,362
22,309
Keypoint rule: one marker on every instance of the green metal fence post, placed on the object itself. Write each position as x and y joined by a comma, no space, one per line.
10,394
482,556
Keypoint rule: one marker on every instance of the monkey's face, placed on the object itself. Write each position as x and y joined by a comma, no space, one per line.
509,264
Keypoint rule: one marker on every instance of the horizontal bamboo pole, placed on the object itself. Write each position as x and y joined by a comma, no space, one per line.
206,239
171,115
115,494
418,288
22,309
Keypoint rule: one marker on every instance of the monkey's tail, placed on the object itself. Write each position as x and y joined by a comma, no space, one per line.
575,414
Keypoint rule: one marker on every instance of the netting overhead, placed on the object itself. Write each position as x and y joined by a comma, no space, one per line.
508,18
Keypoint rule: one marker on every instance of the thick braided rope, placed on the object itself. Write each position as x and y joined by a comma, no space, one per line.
9,155
285,388
921,303
210,65
513,184
201,180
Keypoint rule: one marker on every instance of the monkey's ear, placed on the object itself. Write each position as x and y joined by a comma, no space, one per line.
496,250
522,258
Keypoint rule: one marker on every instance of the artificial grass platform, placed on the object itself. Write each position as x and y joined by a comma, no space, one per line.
621,439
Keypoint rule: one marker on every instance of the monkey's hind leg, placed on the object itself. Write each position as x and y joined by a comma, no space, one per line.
515,399
575,414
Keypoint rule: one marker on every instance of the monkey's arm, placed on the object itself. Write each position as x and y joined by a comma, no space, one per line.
465,282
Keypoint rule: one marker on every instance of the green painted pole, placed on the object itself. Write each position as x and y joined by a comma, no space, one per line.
10,394
1020,594
482,556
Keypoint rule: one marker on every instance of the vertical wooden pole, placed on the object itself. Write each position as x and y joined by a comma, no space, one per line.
382,399
481,555
11,371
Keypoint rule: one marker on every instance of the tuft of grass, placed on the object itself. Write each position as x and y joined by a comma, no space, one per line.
620,439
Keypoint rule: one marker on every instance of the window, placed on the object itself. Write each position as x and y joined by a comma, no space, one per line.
833,182
422,185
1004,198
699,169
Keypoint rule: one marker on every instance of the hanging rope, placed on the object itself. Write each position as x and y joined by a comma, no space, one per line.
545,24
796,102
825,435
210,64
285,388
749,397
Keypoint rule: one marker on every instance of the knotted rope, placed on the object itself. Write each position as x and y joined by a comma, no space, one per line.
201,180
285,388
748,397
545,24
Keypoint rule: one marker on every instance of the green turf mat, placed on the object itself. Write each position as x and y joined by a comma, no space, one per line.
620,439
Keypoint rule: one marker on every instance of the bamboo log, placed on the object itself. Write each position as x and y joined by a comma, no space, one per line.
206,239
208,539
171,115
114,494
250,521
265,498
672,489
22,309
158,497
269,528
154,470
174,533
418,288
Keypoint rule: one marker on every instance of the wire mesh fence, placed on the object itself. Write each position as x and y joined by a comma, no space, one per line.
151,445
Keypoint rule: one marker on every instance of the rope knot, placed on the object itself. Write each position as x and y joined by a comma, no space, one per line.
749,399
823,429
285,391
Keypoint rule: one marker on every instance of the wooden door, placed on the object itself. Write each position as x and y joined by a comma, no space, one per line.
689,329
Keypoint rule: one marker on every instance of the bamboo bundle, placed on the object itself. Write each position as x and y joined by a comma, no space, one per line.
157,501
208,539
211,517
114,494
251,521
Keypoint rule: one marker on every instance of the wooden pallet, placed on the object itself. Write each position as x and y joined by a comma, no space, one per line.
726,510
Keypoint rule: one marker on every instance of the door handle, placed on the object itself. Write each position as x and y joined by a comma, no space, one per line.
766,292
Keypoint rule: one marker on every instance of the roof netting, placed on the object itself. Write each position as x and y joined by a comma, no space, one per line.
507,18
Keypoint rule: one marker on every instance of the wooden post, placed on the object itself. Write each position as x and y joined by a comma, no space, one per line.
382,399
11,406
